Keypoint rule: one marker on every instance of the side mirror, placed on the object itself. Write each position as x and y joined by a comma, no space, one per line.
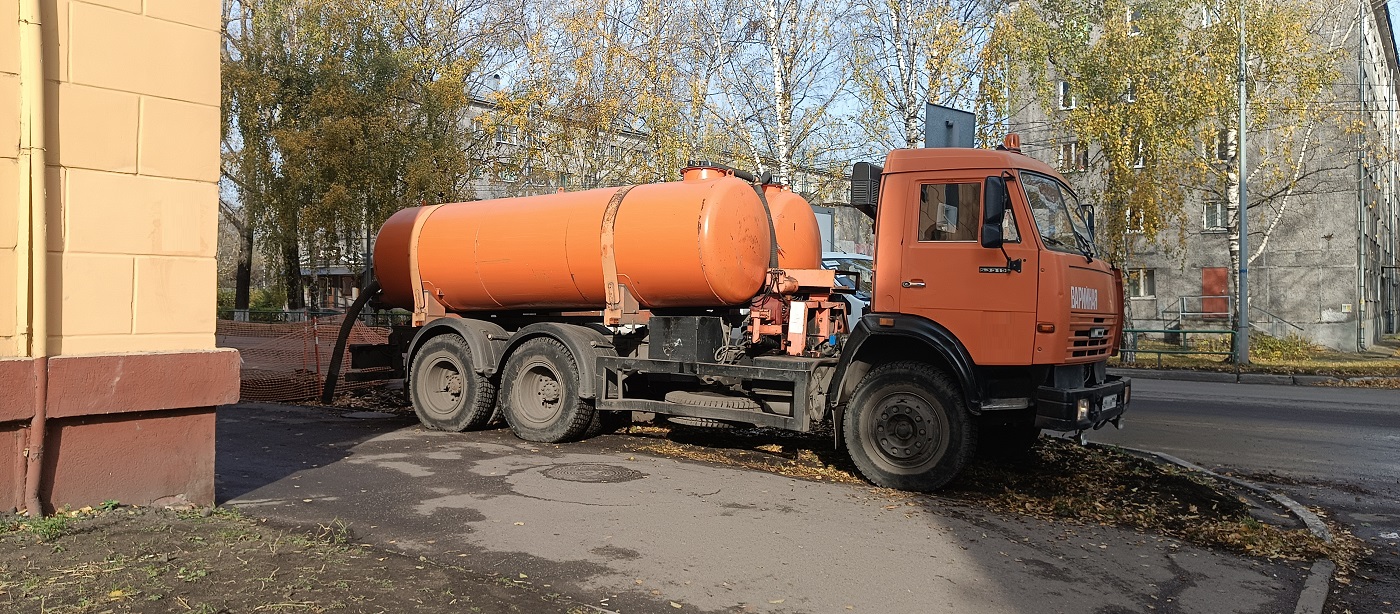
994,205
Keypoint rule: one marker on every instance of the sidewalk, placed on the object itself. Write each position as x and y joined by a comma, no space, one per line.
634,533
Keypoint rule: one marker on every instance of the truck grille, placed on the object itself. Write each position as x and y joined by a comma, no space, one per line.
1083,340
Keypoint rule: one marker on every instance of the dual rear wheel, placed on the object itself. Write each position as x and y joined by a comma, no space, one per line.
539,396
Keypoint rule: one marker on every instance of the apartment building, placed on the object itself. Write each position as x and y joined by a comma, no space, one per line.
1323,265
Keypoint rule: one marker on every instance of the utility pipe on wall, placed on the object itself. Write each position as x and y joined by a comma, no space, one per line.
35,291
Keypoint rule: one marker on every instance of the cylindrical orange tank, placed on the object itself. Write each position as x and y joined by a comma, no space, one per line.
795,225
700,242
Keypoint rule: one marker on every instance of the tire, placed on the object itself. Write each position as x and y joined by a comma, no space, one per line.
447,395
704,398
906,427
540,393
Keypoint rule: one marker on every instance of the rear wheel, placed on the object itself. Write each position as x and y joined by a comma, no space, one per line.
540,390
906,427
446,393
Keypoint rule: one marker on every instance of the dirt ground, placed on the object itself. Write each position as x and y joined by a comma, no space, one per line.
214,560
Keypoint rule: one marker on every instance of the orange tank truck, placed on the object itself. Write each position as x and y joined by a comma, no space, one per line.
701,302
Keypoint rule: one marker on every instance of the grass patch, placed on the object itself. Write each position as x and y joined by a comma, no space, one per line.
1291,355
143,560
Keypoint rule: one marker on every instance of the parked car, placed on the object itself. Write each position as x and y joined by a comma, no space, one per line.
861,277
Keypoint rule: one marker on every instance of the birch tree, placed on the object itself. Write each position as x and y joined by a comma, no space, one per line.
784,77
596,97
905,53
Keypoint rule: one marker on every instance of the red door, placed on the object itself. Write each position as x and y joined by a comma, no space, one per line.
1215,285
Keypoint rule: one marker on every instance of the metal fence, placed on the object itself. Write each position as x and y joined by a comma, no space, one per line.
1176,342
396,317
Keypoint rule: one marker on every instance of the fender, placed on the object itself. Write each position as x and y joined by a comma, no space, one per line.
485,340
586,344
940,341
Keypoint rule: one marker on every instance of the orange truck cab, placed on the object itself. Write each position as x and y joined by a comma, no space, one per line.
988,258
701,302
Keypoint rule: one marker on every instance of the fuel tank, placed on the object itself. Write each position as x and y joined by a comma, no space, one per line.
700,242
795,225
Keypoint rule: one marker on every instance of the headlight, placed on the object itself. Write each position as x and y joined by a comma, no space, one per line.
1083,413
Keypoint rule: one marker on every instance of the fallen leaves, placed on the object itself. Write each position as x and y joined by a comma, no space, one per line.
1062,482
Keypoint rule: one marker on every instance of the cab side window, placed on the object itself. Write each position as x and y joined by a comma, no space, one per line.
950,211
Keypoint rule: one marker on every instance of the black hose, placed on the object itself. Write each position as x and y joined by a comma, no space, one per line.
333,372
772,230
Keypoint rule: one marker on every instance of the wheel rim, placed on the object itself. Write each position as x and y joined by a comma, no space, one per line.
442,386
906,432
538,393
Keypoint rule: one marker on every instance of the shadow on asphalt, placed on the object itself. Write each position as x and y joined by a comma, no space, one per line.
251,453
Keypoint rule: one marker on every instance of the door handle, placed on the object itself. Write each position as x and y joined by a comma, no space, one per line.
913,283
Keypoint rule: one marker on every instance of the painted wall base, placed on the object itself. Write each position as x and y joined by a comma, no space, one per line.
137,428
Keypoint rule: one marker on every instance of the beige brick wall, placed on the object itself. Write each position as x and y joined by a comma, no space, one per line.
9,170
133,152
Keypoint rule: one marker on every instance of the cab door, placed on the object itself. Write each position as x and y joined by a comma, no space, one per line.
948,277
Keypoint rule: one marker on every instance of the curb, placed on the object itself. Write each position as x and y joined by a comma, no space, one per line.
1234,378
1313,596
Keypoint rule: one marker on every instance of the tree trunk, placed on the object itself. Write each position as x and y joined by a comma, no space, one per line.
291,272
1232,205
243,275
782,93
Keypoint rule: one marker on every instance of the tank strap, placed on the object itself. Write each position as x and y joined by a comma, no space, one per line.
420,306
612,313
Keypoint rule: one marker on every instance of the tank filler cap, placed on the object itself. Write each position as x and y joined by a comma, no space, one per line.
700,170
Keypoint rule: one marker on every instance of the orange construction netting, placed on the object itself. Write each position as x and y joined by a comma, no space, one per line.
288,361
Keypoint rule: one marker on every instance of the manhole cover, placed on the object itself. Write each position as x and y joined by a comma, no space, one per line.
592,473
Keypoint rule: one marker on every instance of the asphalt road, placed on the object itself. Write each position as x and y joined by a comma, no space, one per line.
661,535
1338,448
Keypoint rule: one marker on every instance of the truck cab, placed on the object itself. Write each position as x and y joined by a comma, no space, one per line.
987,258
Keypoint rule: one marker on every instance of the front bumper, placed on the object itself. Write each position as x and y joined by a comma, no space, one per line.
1057,409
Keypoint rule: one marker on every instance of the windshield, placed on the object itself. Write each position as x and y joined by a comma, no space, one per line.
1058,216
854,265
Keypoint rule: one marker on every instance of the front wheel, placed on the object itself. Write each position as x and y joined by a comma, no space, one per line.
906,427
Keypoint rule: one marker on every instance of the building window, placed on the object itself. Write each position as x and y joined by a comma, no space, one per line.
1142,283
1222,145
1214,219
1065,95
1141,159
1073,157
1130,96
950,211
1133,16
